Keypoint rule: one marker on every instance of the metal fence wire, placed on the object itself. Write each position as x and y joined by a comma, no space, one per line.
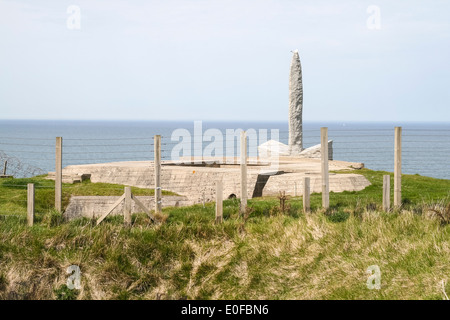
424,151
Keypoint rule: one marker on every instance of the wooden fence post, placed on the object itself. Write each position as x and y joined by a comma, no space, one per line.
58,174
158,193
243,172
324,167
398,167
127,207
30,204
219,201
306,195
386,192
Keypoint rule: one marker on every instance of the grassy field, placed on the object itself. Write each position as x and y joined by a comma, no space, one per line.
267,254
13,193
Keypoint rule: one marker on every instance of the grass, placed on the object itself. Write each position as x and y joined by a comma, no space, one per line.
269,255
13,193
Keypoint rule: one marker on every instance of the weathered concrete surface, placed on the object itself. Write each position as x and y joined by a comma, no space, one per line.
274,148
294,182
315,151
93,207
296,168
197,183
295,106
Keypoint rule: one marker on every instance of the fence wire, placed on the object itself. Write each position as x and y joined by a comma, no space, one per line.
424,151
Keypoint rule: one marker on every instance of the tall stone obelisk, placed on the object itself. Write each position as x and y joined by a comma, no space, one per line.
295,106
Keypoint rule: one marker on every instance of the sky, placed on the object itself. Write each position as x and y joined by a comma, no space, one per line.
377,60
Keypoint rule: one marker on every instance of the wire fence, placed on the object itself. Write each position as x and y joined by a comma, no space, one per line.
424,151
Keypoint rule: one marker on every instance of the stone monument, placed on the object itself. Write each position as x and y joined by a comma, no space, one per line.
295,146
295,106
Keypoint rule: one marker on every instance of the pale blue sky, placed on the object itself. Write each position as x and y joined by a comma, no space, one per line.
224,60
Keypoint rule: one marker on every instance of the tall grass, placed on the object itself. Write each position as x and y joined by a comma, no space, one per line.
272,257
269,255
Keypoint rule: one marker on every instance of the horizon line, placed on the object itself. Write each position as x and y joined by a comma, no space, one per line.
237,121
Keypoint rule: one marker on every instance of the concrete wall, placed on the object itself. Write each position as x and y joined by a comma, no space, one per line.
93,207
338,183
197,183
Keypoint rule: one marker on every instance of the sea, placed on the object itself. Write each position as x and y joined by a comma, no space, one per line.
29,145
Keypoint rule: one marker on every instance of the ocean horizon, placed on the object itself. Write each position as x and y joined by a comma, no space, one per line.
426,145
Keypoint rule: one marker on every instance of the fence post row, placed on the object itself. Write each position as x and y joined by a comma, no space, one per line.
243,171
306,194
157,162
324,167
386,192
219,201
219,184
398,167
58,174
30,204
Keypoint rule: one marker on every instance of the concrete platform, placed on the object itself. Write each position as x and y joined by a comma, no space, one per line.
197,181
